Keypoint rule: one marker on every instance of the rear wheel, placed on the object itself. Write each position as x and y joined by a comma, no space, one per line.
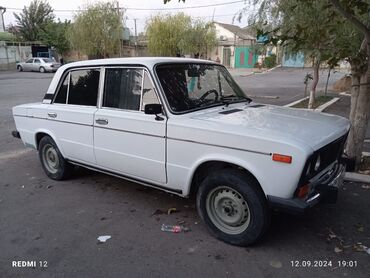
42,69
19,68
233,207
52,161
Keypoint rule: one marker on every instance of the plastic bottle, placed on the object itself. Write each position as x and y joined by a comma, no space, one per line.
174,228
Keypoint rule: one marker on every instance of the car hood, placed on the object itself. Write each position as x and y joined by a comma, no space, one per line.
311,128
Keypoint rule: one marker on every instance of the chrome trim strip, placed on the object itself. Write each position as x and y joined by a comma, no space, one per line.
313,198
67,122
220,146
128,131
170,190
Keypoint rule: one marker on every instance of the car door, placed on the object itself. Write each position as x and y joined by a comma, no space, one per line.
71,114
27,66
126,140
36,64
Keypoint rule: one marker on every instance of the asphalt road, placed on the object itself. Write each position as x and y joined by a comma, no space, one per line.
282,85
59,222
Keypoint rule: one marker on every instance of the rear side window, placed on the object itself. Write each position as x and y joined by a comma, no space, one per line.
83,87
122,88
63,90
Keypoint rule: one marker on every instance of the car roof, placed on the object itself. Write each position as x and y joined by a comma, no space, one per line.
145,61
148,62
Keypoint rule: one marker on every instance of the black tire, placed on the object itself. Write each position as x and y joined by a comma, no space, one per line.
52,161
19,68
255,216
42,70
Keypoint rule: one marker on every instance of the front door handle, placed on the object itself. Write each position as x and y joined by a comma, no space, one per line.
52,115
101,121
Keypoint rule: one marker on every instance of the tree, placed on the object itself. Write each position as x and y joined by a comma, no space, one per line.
34,19
166,34
173,35
356,12
55,35
200,38
343,42
97,31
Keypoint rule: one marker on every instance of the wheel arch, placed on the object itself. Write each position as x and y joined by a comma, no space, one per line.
39,134
207,165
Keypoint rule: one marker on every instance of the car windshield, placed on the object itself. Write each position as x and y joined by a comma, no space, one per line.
47,60
190,86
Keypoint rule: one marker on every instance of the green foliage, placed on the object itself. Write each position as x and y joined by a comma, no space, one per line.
97,31
34,19
5,36
200,38
166,34
270,61
55,35
171,35
312,26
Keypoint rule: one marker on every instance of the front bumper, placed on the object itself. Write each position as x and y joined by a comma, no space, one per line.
323,189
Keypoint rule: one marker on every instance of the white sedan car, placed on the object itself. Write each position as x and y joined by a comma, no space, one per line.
38,64
184,126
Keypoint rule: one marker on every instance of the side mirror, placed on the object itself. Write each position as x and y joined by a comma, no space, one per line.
153,109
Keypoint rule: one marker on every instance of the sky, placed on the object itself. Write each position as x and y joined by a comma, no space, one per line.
222,13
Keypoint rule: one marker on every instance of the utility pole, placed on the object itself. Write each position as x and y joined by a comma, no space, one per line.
135,38
2,24
120,35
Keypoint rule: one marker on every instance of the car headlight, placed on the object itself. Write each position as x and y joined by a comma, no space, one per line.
317,163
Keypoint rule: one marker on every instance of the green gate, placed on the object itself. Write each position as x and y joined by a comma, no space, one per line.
244,57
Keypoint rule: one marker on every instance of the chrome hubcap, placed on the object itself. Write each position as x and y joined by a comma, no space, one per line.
51,159
228,210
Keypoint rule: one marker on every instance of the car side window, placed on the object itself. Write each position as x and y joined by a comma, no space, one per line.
29,61
149,95
83,87
37,61
63,91
122,88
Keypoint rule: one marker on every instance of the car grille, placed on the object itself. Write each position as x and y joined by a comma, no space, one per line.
328,154
331,152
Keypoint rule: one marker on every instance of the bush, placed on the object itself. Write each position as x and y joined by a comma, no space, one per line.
270,61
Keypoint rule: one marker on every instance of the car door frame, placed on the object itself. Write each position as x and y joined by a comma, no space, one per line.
35,66
126,175
79,154
28,66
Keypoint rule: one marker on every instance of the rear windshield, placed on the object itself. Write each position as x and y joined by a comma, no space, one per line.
47,60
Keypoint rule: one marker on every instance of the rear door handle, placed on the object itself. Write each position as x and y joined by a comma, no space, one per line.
52,115
101,121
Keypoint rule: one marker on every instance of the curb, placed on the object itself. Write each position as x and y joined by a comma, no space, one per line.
295,102
345,94
327,104
350,176
277,66
267,97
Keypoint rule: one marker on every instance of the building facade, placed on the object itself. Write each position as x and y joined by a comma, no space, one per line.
234,48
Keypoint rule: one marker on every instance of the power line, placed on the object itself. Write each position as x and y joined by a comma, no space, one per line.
151,9
185,8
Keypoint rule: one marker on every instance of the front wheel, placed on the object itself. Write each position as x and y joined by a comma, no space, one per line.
233,207
42,69
52,161
20,68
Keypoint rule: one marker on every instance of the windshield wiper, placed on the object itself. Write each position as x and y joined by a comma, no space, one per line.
231,98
